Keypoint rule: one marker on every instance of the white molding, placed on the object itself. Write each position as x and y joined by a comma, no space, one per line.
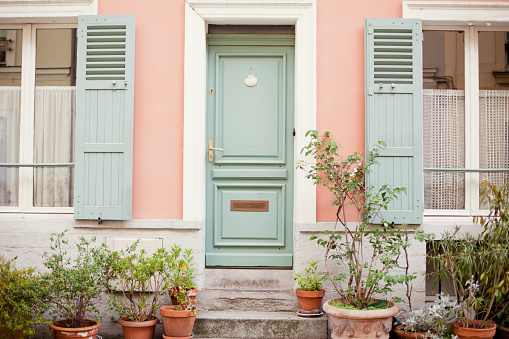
37,11
457,12
199,13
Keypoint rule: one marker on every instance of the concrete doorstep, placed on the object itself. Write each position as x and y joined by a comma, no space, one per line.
251,325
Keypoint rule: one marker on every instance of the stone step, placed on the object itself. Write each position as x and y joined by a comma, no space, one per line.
247,300
251,325
249,279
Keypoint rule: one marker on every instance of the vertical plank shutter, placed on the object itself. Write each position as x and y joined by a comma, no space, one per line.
393,61
104,117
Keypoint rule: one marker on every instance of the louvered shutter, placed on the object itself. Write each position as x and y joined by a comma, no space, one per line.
393,61
104,117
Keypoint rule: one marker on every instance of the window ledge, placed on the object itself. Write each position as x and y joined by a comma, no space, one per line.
52,11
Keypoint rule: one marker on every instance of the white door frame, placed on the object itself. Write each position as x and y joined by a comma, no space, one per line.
199,13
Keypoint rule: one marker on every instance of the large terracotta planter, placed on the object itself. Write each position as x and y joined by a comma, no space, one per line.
310,302
474,333
192,295
61,331
402,334
359,323
177,324
502,332
138,329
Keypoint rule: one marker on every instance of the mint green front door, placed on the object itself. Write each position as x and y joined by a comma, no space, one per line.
250,182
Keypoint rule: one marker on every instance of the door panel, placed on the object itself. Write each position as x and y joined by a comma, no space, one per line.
250,182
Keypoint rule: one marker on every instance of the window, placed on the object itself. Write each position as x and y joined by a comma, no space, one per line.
465,116
37,117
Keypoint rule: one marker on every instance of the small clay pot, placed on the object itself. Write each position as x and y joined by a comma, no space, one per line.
474,333
138,329
310,302
177,324
61,331
402,334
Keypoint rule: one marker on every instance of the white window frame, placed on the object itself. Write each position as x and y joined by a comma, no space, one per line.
471,18
30,15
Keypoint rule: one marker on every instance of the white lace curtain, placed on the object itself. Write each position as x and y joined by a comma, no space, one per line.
53,143
444,143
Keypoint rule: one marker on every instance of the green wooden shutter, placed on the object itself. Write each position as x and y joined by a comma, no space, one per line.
104,117
393,52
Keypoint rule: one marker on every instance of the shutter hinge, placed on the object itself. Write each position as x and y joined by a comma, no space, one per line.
370,90
422,36
370,29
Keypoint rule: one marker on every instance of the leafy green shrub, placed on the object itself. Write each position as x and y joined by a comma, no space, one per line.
309,280
75,283
22,299
138,282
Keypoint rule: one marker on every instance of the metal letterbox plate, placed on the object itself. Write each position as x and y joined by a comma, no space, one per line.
249,205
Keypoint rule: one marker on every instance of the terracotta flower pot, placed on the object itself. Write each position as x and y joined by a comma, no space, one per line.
360,323
474,333
502,332
138,329
61,331
192,295
402,334
310,302
177,324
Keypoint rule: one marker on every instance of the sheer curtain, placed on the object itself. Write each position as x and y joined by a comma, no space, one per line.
53,143
9,143
494,133
444,147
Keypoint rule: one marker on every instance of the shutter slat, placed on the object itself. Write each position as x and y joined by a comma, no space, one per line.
104,117
394,111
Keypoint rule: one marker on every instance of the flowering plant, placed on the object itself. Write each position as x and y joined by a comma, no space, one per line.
183,270
436,320
364,276
184,302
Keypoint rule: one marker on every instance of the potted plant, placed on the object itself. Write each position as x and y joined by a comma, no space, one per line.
309,291
430,321
22,300
178,319
136,288
183,274
477,265
368,250
496,232
74,285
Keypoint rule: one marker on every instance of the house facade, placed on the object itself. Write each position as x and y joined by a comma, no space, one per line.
182,121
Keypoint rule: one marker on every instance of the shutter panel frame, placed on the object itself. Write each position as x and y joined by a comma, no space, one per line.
104,117
393,98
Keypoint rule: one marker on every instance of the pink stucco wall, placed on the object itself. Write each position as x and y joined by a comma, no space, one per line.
158,121
158,105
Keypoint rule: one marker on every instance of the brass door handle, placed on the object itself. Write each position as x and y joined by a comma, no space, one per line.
212,149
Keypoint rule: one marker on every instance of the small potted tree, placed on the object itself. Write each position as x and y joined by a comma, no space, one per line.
137,288
22,300
74,285
309,291
367,250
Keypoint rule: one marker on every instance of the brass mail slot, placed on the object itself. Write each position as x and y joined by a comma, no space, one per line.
249,205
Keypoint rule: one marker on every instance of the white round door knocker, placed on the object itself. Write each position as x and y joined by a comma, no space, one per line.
250,80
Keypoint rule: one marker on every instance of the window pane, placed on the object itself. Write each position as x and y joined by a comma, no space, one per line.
444,118
10,99
55,102
493,105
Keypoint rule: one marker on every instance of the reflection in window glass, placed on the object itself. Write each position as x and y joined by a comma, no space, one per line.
493,105
55,102
444,119
10,99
